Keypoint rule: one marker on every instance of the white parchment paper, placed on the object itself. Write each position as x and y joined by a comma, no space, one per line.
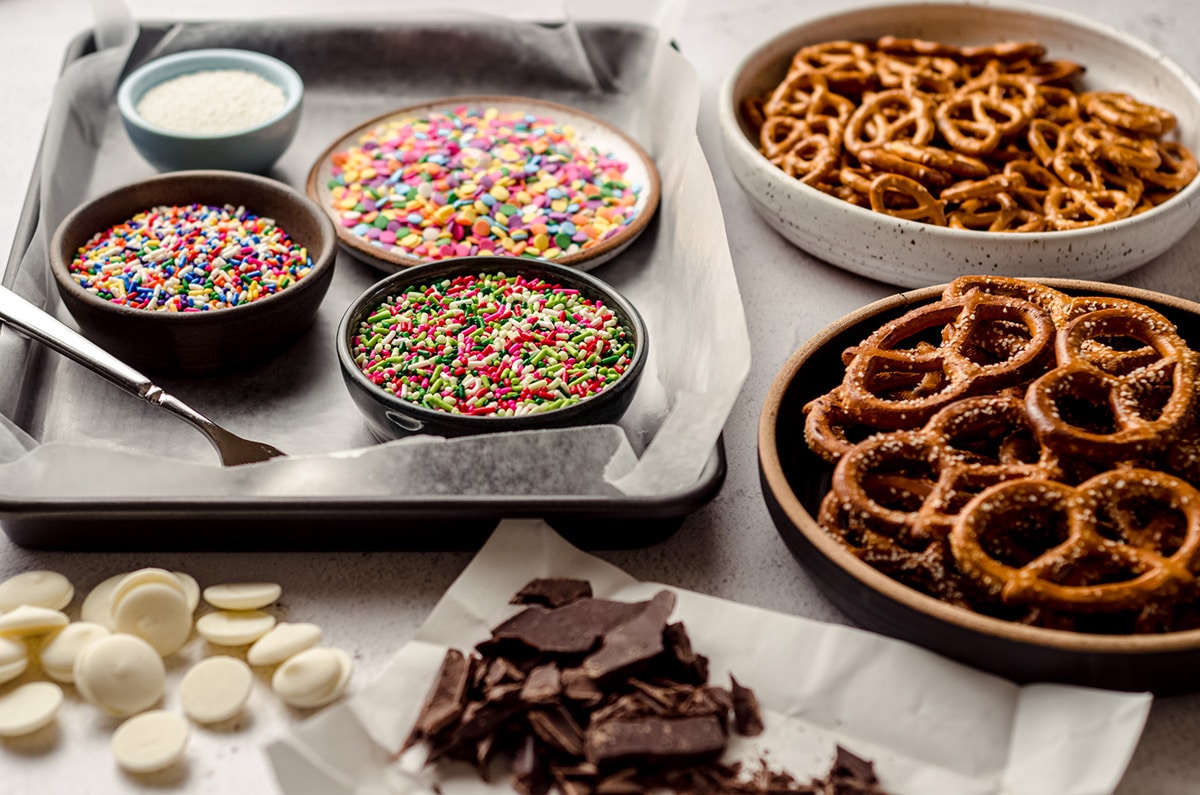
930,725
680,275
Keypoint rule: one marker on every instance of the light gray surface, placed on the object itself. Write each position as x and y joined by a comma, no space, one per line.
369,603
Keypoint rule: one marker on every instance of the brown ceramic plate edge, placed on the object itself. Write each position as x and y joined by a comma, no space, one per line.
774,478
382,258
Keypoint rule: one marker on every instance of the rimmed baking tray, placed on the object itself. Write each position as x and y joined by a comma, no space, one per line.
158,521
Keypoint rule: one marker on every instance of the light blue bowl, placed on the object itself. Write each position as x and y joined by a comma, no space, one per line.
254,149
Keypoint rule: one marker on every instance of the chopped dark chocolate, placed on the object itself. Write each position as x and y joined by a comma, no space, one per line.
629,645
571,629
590,696
692,667
446,700
543,685
747,717
552,592
557,729
848,765
655,740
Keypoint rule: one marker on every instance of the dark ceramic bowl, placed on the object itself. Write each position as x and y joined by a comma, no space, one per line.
198,342
389,417
794,480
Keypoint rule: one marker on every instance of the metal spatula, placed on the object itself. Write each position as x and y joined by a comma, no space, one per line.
27,318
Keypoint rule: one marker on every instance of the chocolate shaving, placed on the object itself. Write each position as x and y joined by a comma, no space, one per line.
552,592
596,697
746,715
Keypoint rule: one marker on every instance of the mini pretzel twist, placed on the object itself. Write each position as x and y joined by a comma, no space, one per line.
889,116
933,115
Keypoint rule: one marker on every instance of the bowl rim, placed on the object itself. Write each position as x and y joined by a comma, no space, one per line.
775,479
323,259
729,116
652,189
473,266
269,67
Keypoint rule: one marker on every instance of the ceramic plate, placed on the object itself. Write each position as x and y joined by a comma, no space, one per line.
590,131
794,480
915,254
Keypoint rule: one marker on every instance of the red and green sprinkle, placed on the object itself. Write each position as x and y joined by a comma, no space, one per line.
190,258
480,182
492,345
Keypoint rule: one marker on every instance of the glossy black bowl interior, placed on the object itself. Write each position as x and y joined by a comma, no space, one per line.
198,342
389,417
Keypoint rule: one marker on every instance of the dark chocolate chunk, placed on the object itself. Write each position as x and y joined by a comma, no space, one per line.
579,688
571,629
848,765
655,740
634,642
543,685
747,718
446,700
552,592
691,668
557,729
529,776
500,671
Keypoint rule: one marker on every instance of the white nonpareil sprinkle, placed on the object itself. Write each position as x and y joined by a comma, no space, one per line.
212,101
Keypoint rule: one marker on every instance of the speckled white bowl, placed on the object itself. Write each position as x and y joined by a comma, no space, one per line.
913,254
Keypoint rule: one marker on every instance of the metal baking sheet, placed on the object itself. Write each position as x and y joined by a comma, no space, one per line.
595,515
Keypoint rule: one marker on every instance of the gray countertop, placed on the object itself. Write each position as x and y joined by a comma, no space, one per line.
729,548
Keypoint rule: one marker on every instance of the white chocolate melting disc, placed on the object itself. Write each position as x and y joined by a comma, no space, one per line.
121,674
285,640
234,628
215,689
144,577
37,588
14,659
242,595
60,650
191,588
313,678
28,708
28,620
97,605
151,741
157,613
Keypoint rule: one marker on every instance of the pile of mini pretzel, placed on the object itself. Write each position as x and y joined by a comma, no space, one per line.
991,138
1024,454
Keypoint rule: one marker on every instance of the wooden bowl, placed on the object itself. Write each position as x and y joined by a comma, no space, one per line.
198,342
794,480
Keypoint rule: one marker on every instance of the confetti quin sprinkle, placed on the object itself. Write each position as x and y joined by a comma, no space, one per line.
492,345
480,182
191,258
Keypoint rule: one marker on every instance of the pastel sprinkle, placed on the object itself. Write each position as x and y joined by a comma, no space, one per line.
192,258
492,345
479,180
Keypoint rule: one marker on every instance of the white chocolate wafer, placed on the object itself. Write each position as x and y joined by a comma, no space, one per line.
122,674
234,627
151,741
215,689
28,708
38,588
60,650
313,678
285,640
